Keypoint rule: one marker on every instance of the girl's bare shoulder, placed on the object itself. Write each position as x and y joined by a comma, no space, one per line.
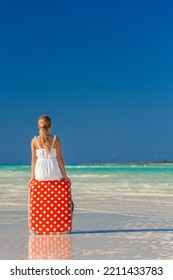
57,142
33,141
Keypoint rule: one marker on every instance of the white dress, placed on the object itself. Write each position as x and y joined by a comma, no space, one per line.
47,167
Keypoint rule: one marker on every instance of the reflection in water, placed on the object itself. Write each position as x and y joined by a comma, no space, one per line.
50,247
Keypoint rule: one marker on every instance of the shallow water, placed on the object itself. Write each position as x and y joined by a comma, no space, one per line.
121,212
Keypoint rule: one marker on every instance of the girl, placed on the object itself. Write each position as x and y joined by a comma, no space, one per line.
50,194
47,161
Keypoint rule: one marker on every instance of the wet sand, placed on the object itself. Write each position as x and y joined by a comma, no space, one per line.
104,227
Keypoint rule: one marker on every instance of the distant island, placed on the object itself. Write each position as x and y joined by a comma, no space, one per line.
163,161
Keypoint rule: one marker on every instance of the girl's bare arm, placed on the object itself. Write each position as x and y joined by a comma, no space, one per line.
60,159
33,160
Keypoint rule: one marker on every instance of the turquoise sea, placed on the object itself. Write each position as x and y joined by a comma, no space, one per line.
129,178
149,175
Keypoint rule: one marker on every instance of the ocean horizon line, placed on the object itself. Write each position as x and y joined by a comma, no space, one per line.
99,163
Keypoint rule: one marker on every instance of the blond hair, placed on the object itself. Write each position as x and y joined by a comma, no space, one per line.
44,124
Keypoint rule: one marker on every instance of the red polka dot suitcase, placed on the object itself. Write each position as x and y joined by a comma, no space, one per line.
50,207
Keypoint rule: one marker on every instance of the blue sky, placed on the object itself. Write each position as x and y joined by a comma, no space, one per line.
103,71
